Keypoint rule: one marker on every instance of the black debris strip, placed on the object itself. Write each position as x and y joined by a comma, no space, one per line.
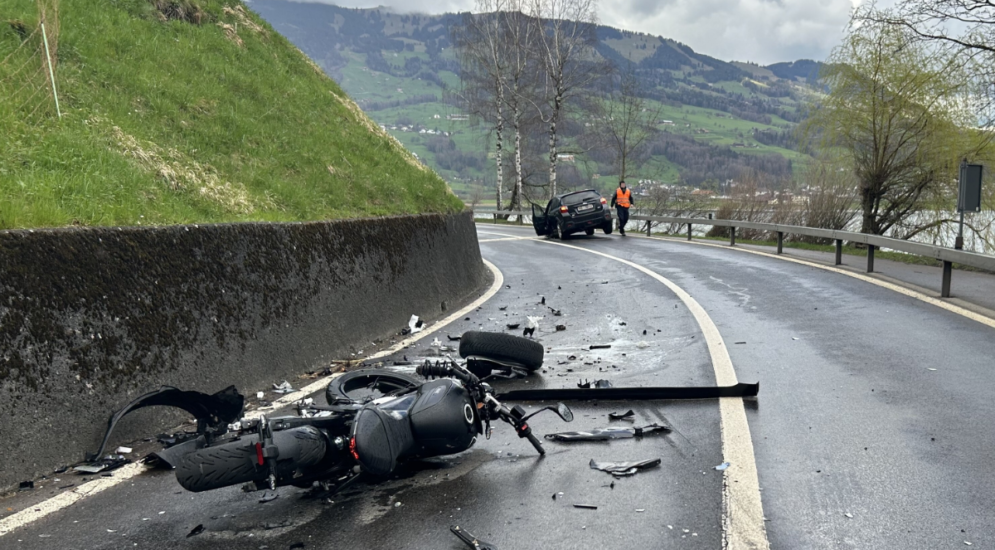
605,434
624,469
470,539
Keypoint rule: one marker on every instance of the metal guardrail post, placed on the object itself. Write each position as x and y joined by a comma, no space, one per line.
780,242
948,268
839,251
689,232
732,236
649,226
870,258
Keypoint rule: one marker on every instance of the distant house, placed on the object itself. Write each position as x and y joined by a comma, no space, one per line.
436,116
702,193
565,157
668,122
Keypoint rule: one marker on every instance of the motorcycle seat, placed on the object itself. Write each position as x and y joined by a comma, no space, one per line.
381,438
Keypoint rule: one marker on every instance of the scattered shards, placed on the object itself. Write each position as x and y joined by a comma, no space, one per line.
848,514
600,346
597,384
268,497
642,345
738,343
60,470
514,326
260,395
605,434
503,308
296,545
281,525
196,531
586,506
722,466
794,337
556,312
283,387
123,450
640,510
454,338
470,539
528,331
560,328
543,301
436,343
507,286
628,415
644,332
927,368
623,469
106,464
402,363
26,486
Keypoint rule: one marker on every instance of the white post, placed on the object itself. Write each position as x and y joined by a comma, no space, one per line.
51,73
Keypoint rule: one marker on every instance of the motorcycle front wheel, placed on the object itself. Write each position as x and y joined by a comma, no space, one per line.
363,385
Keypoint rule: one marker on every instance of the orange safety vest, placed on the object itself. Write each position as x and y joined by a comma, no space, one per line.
622,197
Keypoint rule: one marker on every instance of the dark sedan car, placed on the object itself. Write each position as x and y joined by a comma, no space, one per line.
572,213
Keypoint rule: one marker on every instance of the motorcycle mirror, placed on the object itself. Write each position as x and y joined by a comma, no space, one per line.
564,411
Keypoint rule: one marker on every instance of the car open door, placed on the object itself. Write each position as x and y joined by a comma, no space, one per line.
539,220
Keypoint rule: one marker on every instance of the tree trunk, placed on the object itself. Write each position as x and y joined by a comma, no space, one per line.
500,134
554,117
516,199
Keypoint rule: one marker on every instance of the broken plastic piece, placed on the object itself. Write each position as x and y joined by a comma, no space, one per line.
26,486
123,450
722,466
528,331
642,345
470,539
454,338
586,506
415,324
268,497
623,416
601,346
283,387
196,531
436,343
105,464
623,469
604,434
513,326
635,393
597,384
560,328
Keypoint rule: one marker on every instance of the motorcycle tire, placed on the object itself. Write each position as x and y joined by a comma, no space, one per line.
502,347
234,462
349,386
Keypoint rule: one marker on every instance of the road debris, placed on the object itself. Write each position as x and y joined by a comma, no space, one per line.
642,345
26,486
848,514
106,464
624,469
738,343
436,343
454,338
600,346
514,326
503,308
123,450
196,531
586,506
283,387
722,466
597,384
470,539
269,497
560,328
605,434
415,325
628,415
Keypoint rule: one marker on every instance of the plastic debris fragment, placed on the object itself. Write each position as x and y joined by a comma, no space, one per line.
470,539
283,387
196,531
722,466
624,469
642,345
601,346
627,415
586,506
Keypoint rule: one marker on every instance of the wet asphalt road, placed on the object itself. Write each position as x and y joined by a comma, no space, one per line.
850,420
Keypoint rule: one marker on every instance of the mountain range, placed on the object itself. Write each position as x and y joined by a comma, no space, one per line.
720,117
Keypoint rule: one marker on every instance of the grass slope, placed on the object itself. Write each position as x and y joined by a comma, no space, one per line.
168,121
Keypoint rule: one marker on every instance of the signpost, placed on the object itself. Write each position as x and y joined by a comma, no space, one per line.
969,199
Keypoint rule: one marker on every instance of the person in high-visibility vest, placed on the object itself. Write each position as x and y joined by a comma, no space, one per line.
622,200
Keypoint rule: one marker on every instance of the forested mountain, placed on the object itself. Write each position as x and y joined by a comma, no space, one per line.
720,118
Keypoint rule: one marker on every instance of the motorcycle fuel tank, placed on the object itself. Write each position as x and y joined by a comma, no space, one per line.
443,418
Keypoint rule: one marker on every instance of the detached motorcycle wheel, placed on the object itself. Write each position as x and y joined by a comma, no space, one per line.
502,347
367,384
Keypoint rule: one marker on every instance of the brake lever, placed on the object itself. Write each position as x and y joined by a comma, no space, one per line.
470,540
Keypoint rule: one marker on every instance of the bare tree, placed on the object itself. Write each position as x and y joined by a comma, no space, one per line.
520,40
624,117
480,44
963,29
565,43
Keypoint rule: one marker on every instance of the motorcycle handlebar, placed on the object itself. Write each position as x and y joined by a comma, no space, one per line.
535,443
441,370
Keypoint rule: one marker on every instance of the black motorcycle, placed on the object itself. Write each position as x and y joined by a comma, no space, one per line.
374,420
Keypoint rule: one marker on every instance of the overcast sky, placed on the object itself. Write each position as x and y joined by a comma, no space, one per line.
763,31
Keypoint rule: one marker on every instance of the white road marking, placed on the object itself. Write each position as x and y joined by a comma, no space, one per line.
742,517
479,232
953,308
68,498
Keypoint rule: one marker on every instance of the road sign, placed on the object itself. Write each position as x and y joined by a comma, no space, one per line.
969,199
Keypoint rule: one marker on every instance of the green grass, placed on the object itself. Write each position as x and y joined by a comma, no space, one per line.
173,122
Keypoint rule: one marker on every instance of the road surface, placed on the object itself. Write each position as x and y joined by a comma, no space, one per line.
872,428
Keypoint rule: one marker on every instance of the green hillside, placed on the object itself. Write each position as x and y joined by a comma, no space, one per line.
725,117
179,111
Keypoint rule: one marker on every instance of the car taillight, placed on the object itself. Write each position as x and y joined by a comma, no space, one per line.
603,201
564,209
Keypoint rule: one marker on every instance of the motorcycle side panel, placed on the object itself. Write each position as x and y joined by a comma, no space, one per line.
443,419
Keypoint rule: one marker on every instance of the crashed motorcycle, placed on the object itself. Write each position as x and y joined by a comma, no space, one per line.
375,419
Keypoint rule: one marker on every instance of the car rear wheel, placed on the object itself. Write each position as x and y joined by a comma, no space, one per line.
589,231
607,228
562,232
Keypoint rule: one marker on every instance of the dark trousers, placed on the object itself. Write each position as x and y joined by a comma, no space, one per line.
623,217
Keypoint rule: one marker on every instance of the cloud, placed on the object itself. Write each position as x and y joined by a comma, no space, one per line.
764,31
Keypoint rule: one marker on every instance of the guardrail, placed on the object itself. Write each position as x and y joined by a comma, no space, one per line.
948,256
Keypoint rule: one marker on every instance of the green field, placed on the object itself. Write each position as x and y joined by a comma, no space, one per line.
178,121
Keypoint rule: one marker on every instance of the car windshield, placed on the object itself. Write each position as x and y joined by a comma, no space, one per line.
577,198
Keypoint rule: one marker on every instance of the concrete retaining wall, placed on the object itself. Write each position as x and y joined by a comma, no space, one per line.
91,318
